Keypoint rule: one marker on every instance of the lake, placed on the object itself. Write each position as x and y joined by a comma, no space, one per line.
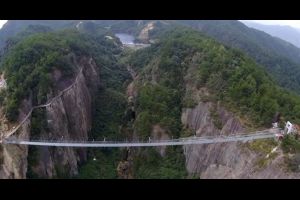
128,41
125,38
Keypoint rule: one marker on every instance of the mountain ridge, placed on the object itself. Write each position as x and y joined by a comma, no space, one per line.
284,32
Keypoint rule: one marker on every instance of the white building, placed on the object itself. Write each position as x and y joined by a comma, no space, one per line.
289,128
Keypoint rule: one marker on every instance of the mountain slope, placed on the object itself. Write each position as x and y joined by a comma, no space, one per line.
36,69
240,36
229,73
286,33
191,85
280,58
12,27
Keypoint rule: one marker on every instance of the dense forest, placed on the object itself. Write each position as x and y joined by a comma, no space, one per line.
34,54
249,83
280,58
232,77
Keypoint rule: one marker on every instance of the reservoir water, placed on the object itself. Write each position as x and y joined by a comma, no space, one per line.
125,38
128,40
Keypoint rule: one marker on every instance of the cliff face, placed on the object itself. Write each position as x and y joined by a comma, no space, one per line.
200,120
14,157
144,34
68,117
227,160
199,157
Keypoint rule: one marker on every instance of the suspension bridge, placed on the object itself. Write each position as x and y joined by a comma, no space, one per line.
7,137
269,133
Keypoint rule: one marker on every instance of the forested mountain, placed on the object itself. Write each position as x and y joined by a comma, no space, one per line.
12,27
37,66
287,33
208,80
229,73
172,75
281,59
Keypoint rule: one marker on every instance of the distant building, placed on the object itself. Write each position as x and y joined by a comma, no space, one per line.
108,37
289,128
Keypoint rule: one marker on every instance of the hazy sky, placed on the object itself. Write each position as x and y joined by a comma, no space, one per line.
2,22
293,23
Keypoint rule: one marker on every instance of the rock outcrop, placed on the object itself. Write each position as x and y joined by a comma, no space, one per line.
158,134
226,160
144,34
199,157
14,157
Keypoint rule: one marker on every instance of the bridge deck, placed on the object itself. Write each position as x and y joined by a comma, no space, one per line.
174,142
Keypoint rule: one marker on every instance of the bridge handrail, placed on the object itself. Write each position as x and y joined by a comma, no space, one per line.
186,139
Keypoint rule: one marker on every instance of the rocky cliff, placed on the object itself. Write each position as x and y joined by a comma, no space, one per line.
229,160
144,34
68,117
